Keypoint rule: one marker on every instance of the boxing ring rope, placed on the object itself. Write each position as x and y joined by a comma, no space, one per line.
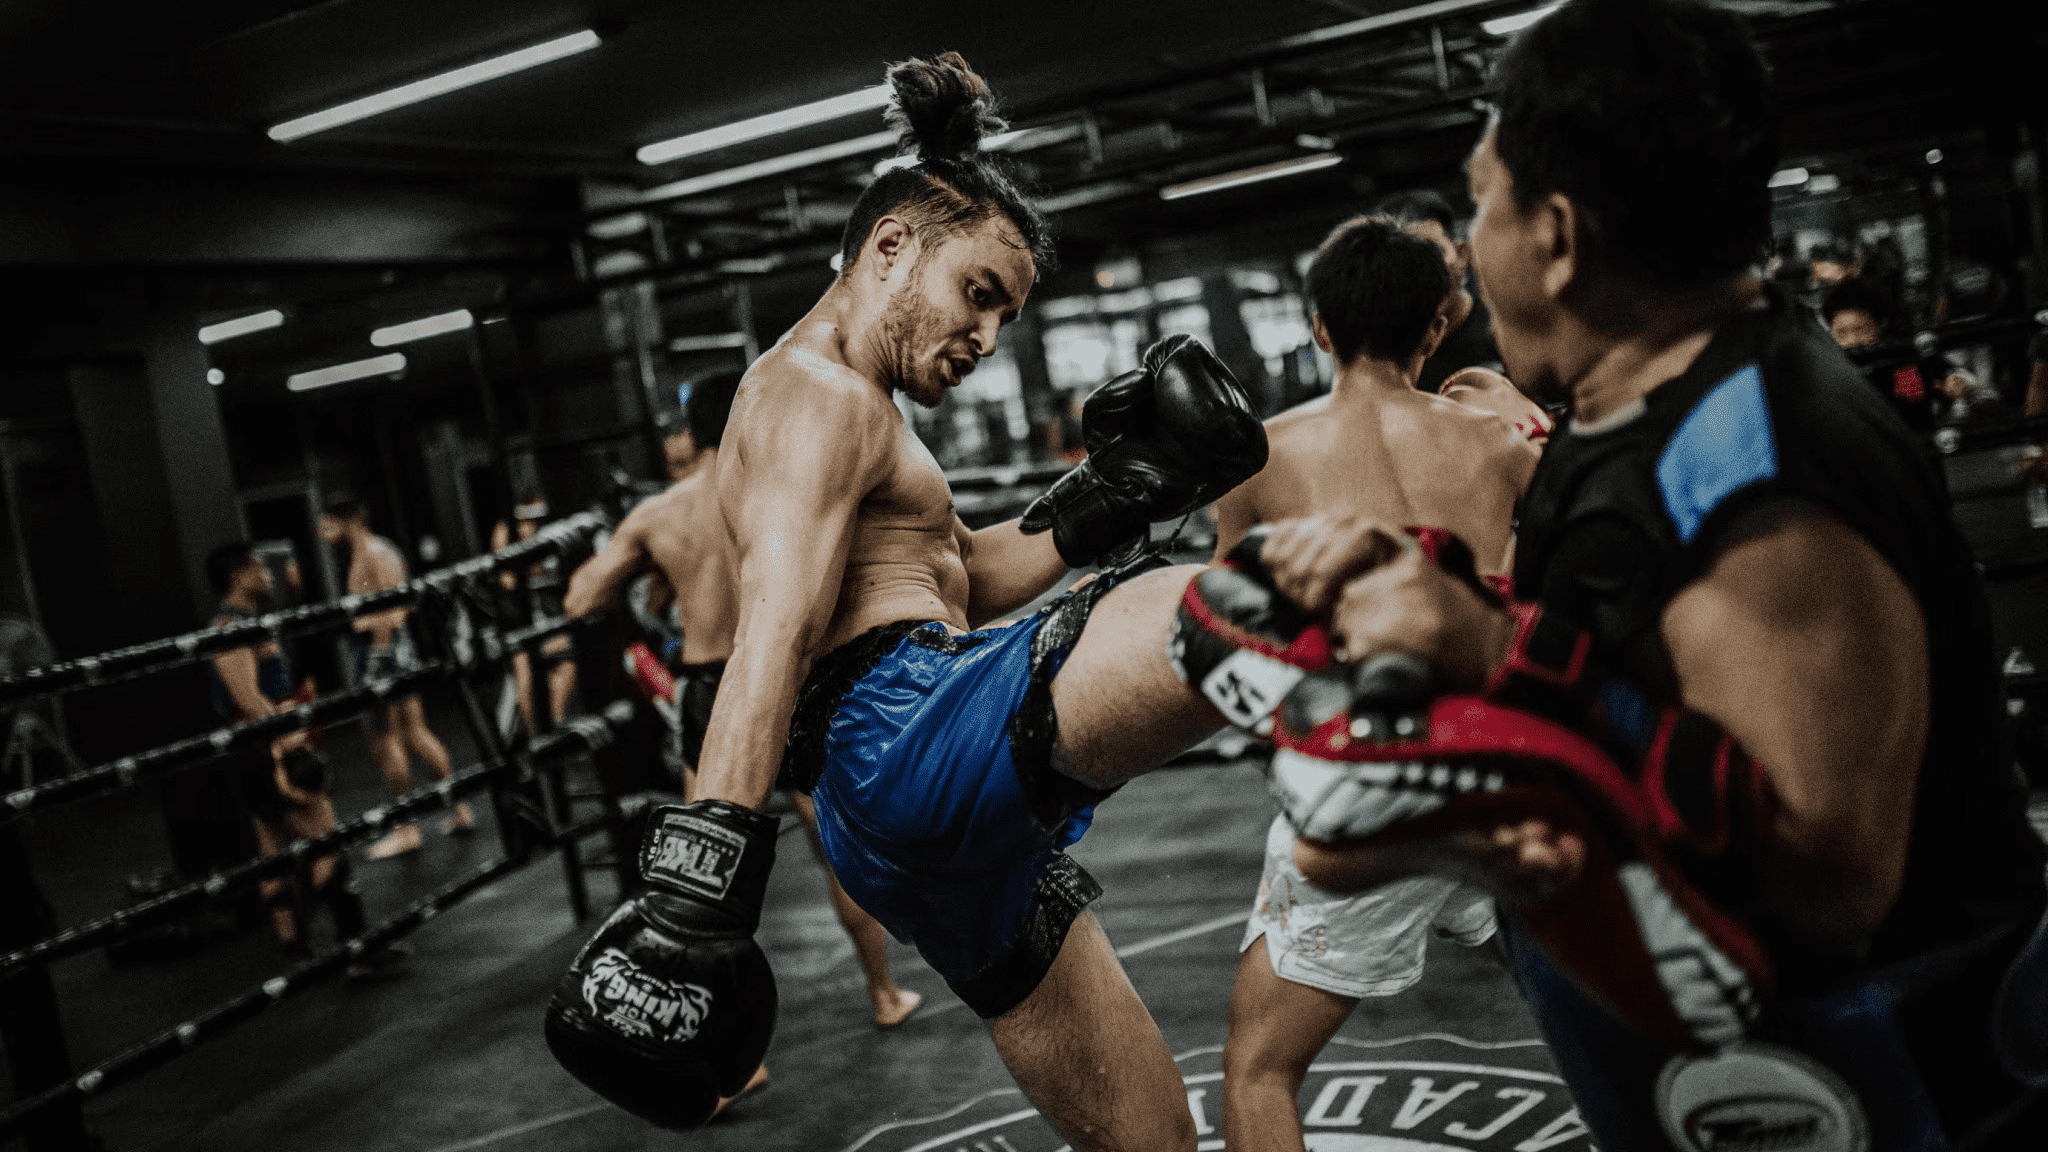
70,941
191,647
435,594
181,1038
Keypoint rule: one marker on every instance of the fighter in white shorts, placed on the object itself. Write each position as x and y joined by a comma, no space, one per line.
1374,447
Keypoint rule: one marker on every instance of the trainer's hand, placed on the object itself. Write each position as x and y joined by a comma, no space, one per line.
1312,557
1523,863
1410,605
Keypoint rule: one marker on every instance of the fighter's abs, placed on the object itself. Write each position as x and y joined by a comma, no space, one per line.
904,562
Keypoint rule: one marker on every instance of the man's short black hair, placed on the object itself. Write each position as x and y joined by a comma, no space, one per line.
710,402
1658,120
223,562
1857,295
343,508
1415,205
1377,287
941,113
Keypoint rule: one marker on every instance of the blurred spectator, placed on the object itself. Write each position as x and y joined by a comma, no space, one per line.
1967,402
383,650
1857,315
543,582
1833,262
1469,341
283,783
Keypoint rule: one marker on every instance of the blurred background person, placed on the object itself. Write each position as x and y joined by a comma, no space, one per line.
383,649
1468,336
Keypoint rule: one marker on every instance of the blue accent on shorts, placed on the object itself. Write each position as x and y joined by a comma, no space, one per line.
924,820
1724,443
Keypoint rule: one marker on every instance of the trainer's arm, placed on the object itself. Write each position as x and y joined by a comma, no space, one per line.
1006,569
802,475
1809,649
597,580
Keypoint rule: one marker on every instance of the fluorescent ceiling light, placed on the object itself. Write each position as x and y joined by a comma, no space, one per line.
240,326
1787,177
745,172
1250,175
433,86
1503,25
753,128
422,328
343,373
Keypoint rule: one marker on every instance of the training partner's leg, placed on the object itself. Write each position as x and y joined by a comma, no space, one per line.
1277,1028
892,1004
1086,1052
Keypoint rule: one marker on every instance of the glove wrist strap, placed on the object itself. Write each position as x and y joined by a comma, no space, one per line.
714,852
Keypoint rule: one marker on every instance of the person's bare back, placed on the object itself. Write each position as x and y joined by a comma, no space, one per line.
683,533
1394,455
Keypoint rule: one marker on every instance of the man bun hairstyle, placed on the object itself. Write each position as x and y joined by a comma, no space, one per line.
1378,288
941,112
1658,120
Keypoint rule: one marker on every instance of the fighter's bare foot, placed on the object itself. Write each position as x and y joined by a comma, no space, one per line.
460,823
397,842
755,1083
895,1007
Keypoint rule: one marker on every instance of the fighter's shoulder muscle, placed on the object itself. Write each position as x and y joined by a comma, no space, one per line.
796,400
1491,439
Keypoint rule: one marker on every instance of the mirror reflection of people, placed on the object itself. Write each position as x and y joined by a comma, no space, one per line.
543,580
382,649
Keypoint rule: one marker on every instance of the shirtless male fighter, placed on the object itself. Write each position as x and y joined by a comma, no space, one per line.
683,534
383,648
1374,447
950,767
1773,884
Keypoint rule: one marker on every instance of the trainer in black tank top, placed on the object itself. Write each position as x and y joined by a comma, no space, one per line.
1772,418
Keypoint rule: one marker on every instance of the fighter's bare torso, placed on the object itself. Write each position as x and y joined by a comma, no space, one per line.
905,556
1398,456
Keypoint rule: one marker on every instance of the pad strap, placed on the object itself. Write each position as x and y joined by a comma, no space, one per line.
1702,789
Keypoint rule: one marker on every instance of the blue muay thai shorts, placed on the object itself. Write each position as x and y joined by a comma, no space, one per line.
929,758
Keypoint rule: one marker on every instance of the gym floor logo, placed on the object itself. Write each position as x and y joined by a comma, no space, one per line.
1427,1093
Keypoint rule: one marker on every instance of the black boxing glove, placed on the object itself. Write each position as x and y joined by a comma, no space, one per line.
670,1005
1162,441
